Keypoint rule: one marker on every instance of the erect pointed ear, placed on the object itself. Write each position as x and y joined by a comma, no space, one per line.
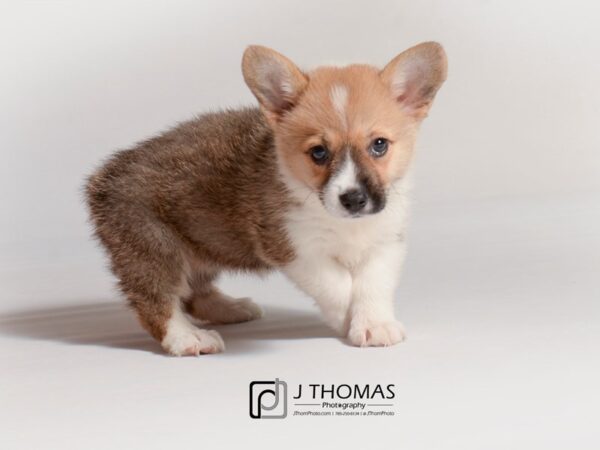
414,76
273,79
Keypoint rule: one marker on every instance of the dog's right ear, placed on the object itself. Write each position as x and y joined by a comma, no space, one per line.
273,79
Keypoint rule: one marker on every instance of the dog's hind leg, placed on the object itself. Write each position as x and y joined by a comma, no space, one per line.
208,303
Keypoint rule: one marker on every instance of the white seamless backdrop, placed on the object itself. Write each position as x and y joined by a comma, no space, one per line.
500,292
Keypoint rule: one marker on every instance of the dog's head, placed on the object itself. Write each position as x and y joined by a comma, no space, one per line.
346,132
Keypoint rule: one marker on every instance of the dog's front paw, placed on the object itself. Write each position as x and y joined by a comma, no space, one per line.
381,334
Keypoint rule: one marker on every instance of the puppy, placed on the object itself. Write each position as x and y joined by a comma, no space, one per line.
313,183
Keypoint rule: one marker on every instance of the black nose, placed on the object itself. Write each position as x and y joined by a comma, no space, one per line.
354,200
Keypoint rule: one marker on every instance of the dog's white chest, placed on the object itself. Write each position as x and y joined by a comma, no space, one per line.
314,233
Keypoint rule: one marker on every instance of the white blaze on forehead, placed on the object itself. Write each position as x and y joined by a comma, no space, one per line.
346,177
343,180
339,99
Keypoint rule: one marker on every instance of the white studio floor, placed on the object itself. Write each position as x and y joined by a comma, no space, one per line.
501,301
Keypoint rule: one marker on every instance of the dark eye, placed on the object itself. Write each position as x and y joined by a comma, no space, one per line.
379,146
319,154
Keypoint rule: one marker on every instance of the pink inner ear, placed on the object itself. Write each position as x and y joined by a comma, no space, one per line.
401,98
415,89
276,94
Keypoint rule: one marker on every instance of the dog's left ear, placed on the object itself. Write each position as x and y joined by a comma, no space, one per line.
415,75
273,79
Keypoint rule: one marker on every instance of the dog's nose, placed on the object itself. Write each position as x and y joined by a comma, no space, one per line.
353,200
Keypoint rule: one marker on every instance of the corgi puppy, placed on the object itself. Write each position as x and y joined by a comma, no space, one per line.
313,183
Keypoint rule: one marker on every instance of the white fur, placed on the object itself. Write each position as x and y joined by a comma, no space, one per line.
372,309
339,99
343,180
286,87
349,266
184,338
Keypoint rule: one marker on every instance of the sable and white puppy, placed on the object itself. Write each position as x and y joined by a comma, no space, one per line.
313,183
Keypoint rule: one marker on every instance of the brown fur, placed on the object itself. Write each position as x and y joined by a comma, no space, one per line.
164,203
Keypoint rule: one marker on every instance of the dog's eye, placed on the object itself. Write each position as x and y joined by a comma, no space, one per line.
379,147
319,154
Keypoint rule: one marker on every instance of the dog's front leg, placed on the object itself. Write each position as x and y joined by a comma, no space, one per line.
372,318
329,283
